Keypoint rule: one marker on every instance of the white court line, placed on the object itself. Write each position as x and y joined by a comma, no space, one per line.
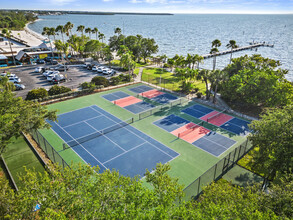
66,142
171,122
124,152
74,110
82,146
140,137
106,137
82,121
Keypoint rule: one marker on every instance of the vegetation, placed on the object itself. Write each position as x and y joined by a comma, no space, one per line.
82,193
18,115
256,81
99,80
15,20
55,90
36,94
272,137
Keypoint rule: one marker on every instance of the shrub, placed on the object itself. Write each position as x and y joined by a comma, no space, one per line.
115,81
55,90
37,94
124,78
99,80
87,85
198,95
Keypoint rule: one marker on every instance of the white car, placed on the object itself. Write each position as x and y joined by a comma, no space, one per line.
19,86
39,69
3,74
14,79
48,72
106,71
95,68
101,69
52,76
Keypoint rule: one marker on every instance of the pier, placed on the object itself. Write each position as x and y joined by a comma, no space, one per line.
249,47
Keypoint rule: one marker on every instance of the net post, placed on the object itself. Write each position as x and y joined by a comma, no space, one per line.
64,146
114,102
132,120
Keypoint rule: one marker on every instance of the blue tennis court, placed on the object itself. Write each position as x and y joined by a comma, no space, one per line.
212,142
232,124
135,108
153,94
99,138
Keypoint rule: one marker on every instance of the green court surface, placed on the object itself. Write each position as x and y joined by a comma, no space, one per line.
18,155
192,161
242,177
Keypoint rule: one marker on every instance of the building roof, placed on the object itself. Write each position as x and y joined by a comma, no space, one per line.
3,57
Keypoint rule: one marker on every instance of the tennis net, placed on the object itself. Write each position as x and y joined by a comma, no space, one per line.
216,116
89,137
189,130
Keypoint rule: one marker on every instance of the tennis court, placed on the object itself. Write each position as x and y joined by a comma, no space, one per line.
100,138
220,119
153,94
196,134
130,103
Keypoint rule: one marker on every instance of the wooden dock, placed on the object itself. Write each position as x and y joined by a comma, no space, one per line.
249,47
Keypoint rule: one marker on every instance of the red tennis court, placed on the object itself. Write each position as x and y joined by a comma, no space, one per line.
190,132
151,93
129,100
216,118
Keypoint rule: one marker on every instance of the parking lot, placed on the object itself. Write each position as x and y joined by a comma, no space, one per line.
75,76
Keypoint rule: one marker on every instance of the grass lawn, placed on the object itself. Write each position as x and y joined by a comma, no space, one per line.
19,155
168,81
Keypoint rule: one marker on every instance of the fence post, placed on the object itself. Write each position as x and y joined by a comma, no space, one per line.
215,171
45,144
239,152
38,138
63,163
53,155
198,185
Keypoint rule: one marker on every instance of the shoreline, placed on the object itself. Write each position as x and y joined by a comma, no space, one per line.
33,33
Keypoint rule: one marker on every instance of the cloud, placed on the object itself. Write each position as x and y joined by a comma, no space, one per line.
59,2
135,1
107,0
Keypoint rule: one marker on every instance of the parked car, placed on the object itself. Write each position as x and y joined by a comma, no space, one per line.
59,78
3,74
48,72
62,68
90,66
106,71
84,65
14,79
40,61
47,59
101,69
52,76
53,62
95,68
19,86
40,69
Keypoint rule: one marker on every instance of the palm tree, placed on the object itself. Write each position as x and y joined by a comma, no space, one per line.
101,37
199,59
88,31
7,34
80,28
61,29
188,60
68,27
215,44
47,31
204,75
215,78
117,31
232,44
95,31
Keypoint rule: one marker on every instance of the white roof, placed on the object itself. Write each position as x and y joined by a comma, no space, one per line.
3,57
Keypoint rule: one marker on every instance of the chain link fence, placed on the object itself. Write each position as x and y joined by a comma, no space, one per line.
53,155
217,171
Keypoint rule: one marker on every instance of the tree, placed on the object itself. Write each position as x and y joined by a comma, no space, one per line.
127,62
80,29
18,115
101,37
88,31
216,77
7,34
215,44
99,80
272,138
204,75
47,31
255,81
68,27
232,44
36,94
95,31
61,29
117,31
55,90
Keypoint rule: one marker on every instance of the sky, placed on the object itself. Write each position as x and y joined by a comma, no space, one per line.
158,6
